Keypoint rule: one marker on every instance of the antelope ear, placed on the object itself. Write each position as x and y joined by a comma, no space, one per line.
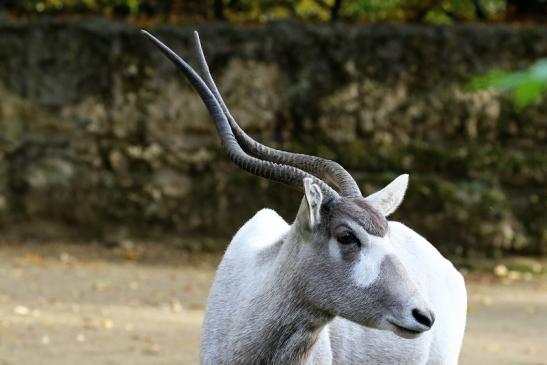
314,198
389,198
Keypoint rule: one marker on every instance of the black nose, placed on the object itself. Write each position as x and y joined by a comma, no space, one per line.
427,318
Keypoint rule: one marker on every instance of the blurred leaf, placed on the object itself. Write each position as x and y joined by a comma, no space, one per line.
527,86
528,92
539,70
497,80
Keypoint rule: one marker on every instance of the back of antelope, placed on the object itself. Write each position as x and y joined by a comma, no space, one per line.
341,284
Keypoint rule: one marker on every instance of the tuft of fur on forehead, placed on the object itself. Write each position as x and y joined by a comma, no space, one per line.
362,213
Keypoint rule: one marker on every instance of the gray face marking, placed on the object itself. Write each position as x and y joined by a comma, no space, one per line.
359,211
391,289
397,297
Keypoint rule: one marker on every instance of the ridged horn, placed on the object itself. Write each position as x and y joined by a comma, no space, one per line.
327,170
285,174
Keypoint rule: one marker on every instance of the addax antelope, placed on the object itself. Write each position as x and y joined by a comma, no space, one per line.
341,284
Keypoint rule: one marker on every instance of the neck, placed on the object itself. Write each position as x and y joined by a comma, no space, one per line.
282,329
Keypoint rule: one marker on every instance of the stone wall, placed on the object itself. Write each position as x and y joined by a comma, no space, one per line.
99,134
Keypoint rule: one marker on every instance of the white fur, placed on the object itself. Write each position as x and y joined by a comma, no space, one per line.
265,228
334,250
367,267
341,342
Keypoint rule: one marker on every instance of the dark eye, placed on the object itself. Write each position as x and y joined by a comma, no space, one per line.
348,238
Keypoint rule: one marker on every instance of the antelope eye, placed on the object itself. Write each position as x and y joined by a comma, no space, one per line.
348,238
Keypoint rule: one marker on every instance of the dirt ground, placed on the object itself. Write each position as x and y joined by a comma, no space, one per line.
72,304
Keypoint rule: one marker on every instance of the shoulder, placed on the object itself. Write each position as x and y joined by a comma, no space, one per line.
406,239
263,229
265,222
412,245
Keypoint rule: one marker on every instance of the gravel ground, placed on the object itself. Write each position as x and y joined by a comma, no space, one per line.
71,304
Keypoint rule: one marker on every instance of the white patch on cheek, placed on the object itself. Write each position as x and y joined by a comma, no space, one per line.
334,250
367,268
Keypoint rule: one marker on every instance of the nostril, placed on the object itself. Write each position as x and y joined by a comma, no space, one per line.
426,318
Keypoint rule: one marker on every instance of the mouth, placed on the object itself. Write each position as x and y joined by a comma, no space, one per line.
405,332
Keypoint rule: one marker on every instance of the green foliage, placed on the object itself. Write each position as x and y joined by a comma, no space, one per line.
432,11
424,11
375,10
527,86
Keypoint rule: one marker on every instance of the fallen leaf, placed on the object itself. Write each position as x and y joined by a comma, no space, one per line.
154,349
66,258
514,275
176,306
21,310
500,270
45,340
107,323
133,255
100,285
486,300
493,347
